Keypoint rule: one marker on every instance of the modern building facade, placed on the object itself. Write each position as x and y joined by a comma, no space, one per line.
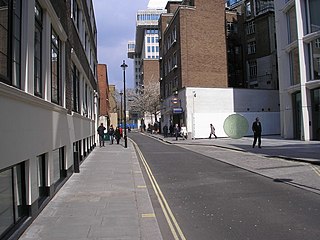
145,49
194,81
48,102
298,40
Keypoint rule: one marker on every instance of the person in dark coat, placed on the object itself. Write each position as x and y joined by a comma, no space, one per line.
171,129
176,131
257,129
117,135
165,130
111,134
100,131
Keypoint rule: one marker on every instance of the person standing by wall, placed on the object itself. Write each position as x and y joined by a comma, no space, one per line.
257,129
212,131
100,131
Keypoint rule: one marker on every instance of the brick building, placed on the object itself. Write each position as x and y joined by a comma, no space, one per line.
195,83
48,90
104,96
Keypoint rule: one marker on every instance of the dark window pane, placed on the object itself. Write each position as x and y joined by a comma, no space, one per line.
6,203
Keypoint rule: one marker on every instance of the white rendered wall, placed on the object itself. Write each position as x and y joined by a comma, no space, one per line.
203,106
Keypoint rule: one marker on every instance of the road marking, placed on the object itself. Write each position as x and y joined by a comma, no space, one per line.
316,169
148,215
171,220
140,186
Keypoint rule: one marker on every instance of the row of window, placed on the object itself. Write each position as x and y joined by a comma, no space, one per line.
313,46
148,16
170,40
50,87
77,15
152,39
14,183
171,64
152,49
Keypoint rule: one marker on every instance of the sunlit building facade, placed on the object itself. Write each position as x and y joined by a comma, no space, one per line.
298,40
48,105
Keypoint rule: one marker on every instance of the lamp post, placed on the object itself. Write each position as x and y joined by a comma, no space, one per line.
121,93
124,66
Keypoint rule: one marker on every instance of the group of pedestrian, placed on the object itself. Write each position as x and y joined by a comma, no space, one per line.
176,131
112,133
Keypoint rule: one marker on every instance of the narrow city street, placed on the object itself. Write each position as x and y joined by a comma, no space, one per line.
204,198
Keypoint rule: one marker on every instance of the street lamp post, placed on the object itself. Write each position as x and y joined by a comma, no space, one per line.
121,93
124,66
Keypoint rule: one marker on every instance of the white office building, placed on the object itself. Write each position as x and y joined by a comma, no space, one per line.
298,46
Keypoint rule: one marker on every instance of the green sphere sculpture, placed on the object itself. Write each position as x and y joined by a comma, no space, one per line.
235,126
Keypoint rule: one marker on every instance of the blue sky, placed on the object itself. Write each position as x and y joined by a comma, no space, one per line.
116,23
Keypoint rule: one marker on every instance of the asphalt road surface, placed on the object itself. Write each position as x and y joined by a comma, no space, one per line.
213,200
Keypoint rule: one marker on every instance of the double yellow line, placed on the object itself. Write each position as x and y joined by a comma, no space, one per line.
172,222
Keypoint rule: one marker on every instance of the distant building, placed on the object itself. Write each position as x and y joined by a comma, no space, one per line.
251,36
48,104
298,40
145,49
104,96
195,75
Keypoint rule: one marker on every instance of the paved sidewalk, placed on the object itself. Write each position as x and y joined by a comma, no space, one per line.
108,199
272,146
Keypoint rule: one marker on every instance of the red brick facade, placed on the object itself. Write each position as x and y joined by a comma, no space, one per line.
103,90
193,46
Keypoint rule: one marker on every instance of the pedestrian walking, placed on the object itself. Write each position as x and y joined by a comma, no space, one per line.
176,131
212,131
111,134
257,129
117,135
183,132
100,131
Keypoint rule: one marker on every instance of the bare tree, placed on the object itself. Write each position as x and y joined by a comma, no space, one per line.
145,100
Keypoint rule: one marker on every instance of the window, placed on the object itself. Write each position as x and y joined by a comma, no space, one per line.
10,44
55,68
253,69
153,49
250,27
315,53
148,39
149,49
314,6
12,197
317,43
292,25
294,67
38,51
252,47
58,165
85,101
248,9
76,15
75,90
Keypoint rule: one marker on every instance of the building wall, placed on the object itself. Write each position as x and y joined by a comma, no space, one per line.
150,71
38,134
202,106
103,89
203,59
297,81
